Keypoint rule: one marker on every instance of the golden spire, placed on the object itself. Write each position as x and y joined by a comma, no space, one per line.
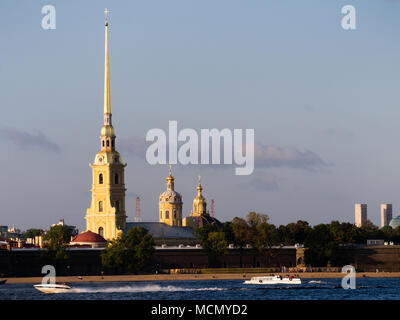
170,179
199,188
107,100
199,202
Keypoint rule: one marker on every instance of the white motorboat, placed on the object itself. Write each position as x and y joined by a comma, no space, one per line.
273,280
52,288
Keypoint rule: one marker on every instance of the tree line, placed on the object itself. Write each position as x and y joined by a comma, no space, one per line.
322,241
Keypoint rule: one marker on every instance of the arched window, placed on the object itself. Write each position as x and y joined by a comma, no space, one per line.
108,143
100,206
166,214
117,206
101,232
116,178
100,178
174,214
112,143
103,143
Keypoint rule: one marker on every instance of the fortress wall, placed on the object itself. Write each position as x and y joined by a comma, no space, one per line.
26,263
20,263
371,258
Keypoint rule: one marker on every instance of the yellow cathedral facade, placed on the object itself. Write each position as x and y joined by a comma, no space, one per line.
106,215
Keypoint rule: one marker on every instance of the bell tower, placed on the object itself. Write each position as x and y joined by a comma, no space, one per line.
199,209
106,215
199,203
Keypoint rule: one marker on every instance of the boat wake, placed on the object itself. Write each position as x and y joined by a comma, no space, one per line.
318,281
147,288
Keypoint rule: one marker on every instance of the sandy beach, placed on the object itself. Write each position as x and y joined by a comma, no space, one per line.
171,277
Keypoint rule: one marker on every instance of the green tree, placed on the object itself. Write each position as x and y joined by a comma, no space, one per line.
32,233
294,233
227,229
201,233
285,235
58,237
214,241
390,234
216,245
217,241
342,232
321,247
268,237
130,252
114,255
262,235
367,231
241,234
395,235
254,219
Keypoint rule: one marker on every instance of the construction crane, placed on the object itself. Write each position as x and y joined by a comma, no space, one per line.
137,211
212,208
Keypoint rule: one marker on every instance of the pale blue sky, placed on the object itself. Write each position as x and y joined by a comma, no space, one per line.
285,68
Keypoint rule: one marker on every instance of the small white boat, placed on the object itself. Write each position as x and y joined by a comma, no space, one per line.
52,288
273,280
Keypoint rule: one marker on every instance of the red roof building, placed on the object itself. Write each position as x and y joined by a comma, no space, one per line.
89,238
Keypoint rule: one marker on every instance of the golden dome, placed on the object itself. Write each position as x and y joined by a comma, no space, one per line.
170,196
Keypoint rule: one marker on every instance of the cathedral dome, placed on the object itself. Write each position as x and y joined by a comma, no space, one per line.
395,222
170,196
88,238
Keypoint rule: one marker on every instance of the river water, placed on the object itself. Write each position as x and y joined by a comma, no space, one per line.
326,289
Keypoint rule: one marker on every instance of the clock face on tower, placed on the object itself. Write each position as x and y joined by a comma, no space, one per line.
99,159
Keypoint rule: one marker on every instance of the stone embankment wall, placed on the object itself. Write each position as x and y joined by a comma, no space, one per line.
88,262
19,263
